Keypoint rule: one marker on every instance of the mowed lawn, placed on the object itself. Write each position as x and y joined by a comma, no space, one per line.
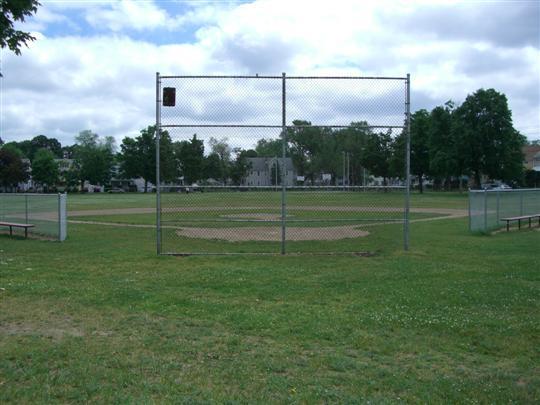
101,318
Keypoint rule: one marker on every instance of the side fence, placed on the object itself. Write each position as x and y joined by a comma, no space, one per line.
487,207
46,211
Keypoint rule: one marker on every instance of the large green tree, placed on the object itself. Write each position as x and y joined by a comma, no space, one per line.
30,147
240,167
304,144
445,159
490,145
190,155
213,168
44,169
12,168
43,142
221,148
420,126
378,155
352,140
138,157
269,147
11,12
94,157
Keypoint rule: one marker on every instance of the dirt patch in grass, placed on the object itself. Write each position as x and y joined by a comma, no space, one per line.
55,332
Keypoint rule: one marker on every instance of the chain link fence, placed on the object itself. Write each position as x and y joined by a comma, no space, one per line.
47,212
487,207
276,164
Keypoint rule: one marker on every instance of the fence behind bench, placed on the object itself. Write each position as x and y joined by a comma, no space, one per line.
46,211
487,207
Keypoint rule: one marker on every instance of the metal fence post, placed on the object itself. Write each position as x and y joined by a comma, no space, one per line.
62,217
485,211
158,180
26,208
498,206
343,177
283,169
521,202
59,216
407,164
470,219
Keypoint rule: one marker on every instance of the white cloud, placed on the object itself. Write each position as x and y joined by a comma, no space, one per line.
138,15
106,82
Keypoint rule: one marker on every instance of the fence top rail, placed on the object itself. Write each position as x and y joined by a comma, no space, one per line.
278,126
31,194
516,190
281,77
288,187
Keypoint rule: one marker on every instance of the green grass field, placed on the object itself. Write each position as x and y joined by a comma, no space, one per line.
101,318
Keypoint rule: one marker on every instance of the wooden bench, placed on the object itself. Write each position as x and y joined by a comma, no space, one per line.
519,219
16,225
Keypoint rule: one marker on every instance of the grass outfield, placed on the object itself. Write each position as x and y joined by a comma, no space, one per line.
101,318
390,199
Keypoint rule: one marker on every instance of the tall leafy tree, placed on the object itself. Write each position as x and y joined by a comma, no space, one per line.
491,145
221,148
94,157
329,156
240,167
269,147
190,155
30,147
42,142
445,157
378,154
420,126
212,167
12,168
45,169
11,12
304,143
352,140
138,157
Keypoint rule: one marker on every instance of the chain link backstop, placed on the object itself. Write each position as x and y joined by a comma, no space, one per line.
276,164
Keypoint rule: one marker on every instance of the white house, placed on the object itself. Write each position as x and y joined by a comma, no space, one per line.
263,171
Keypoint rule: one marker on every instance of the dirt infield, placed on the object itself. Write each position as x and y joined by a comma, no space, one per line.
273,234
266,233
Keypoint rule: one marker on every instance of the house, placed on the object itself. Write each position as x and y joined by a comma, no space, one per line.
263,171
536,162
531,159
28,185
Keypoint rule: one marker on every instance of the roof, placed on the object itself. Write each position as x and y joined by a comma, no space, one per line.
530,151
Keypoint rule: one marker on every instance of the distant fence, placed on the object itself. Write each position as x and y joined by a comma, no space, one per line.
46,211
487,207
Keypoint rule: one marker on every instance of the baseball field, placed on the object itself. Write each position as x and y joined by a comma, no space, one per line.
102,318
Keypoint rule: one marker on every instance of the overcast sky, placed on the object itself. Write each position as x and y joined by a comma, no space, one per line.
93,64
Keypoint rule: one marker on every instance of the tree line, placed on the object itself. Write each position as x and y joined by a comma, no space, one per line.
474,140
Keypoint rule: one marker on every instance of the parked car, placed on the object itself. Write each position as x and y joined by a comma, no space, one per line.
496,186
502,186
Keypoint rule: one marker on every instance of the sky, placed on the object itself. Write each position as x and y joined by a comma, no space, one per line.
94,63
